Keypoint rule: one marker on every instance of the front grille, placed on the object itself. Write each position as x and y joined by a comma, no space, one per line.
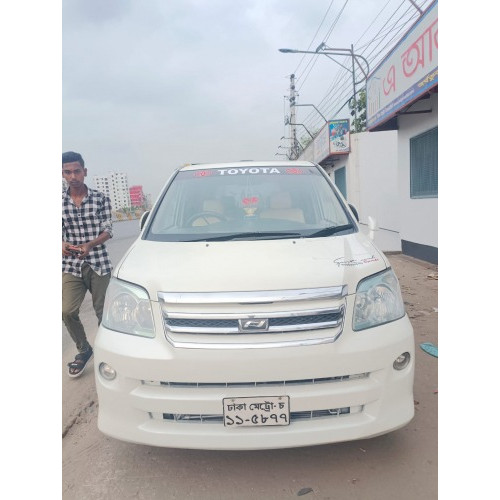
294,415
247,320
270,383
310,321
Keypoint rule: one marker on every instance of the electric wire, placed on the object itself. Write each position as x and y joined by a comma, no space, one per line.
314,57
328,103
340,90
314,37
339,75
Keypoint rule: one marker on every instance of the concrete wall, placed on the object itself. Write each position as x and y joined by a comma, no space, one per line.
372,184
378,185
419,217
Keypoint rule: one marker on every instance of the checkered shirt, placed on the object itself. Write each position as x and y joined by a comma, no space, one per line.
83,224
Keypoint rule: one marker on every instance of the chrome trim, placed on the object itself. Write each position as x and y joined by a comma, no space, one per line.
279,314
257,297
203,418
253,325
272,383
271,329
260,345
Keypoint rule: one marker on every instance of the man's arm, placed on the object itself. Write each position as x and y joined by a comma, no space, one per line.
106,218
106,227
87,247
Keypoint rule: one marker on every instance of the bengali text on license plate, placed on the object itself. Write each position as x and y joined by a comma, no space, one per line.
252,412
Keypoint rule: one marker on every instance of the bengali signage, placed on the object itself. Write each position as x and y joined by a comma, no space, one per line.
408,71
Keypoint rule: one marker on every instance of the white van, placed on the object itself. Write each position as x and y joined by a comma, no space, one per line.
252,313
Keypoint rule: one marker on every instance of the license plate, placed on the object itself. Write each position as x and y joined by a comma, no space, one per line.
255,412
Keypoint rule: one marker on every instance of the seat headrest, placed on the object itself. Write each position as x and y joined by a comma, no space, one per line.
212,206
280,200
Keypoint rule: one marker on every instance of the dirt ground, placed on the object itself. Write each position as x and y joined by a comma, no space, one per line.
402,464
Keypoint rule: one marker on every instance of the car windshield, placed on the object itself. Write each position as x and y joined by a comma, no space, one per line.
248,203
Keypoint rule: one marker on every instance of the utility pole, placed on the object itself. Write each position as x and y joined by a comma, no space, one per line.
354,88
294,153
329,52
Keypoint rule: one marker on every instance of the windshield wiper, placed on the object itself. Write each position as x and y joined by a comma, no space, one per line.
255,234
327,231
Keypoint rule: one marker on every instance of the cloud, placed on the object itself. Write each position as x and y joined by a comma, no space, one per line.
150,85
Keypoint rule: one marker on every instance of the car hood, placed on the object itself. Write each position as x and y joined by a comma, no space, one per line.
227,266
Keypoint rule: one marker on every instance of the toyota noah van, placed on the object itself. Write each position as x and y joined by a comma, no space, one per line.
252,313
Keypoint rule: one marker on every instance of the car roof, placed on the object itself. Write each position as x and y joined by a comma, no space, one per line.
248,163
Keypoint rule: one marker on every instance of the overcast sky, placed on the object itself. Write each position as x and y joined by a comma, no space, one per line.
149,85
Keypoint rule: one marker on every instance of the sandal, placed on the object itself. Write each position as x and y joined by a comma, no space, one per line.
76,367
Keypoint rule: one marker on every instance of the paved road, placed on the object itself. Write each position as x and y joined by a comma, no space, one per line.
400,465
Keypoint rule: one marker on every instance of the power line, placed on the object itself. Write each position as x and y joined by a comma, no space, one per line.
315,58
340,74
317,31
341,82
340,89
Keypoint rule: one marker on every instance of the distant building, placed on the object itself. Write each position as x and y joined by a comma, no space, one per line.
137,198
114,185
148,202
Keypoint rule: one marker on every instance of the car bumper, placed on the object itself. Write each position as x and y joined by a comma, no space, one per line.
163,396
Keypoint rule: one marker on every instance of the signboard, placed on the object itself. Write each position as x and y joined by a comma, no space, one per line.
332,139
339,136
408,71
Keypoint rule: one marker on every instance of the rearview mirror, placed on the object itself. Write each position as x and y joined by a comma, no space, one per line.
372,227
144,217
354,211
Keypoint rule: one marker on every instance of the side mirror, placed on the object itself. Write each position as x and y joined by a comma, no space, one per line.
354,211
372,227
144,218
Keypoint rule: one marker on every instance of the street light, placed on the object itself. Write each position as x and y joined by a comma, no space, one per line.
330,51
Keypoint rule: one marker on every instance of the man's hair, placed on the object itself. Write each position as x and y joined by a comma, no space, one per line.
71,157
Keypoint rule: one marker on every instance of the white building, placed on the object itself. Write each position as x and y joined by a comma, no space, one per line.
366,173
391,171
114,185
402,95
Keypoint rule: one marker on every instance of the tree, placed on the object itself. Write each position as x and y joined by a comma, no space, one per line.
358,107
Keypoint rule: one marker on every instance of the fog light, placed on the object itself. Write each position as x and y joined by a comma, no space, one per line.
401,362
107,372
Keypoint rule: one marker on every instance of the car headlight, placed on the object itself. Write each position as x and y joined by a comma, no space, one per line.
127,309
378,301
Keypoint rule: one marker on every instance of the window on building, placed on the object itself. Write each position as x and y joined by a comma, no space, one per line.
424,165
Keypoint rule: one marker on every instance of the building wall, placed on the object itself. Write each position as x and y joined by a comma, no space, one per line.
372,185
419,217
114,185
136,196
378,185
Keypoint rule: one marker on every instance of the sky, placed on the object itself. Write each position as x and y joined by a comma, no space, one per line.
148,86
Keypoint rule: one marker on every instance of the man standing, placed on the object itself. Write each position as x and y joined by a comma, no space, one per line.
86,225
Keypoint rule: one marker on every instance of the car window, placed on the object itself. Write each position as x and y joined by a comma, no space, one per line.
249,201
